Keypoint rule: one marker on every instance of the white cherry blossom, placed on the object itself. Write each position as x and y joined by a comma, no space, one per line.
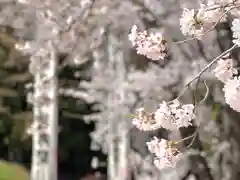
185,115
152,46
224,70
174,116
145,121
236,31
164,117
165,155
232,93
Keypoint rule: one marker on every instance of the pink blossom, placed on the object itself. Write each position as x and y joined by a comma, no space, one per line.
153,46
224,70
165,154
232,93
174,116
145,121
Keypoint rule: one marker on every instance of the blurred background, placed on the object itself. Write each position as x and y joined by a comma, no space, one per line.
102,81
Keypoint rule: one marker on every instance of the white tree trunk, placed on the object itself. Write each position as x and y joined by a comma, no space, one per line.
111,159
123,170
45,123
53,118
112,165
35,134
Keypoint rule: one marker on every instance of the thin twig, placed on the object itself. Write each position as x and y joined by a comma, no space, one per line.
194,137
221,6
210,64
186,86
186,138
206,94
180,94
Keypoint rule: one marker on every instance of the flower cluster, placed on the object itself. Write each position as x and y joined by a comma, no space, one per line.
197,22
236,31
169,116
165,154
153,46
226,73
225,70
174,116
232,93
145,121
191,22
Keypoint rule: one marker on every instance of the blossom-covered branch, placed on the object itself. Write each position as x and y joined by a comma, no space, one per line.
172,115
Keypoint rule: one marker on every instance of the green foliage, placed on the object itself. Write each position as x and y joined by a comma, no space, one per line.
11,171
215,111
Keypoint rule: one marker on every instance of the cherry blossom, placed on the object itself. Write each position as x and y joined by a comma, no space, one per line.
224,70
185,115
232,93
153,46
165,155
165,117
145,121
174,116
197,22
236,31
191,22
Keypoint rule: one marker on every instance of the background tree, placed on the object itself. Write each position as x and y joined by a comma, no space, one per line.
150,82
